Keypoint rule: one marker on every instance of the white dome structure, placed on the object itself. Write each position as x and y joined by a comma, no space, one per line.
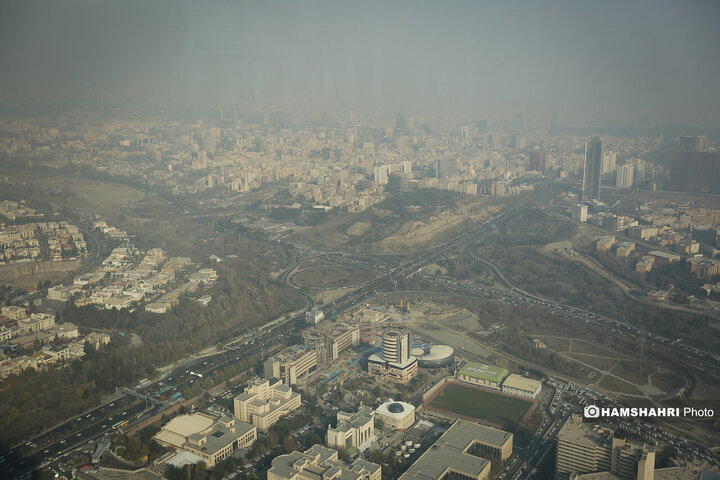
396,415
435,356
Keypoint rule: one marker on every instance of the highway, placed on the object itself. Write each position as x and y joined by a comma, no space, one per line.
59,441
412,267
63,438
706,360
97,423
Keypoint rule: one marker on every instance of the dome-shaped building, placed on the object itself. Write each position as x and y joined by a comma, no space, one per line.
435,356
396,415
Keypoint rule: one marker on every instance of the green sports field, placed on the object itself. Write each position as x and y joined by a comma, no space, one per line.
481,405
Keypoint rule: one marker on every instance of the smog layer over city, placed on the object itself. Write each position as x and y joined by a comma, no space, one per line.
360,240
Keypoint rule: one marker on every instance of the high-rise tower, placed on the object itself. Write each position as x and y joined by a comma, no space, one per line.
396,346
446,167
592,171
537,161
625,176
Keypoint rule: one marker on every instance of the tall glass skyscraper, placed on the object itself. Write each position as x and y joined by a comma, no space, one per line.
592,171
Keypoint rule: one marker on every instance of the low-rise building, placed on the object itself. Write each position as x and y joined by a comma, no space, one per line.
488,376
66,330
292,364
211,438
352,430
37,322
320,462
396,415
456,454
157,307
314,315
77,349
642,233
97,339
705,267
59,353
645,264
5,334
521,386
341,338
264,401
32,340
9,367
624,249
118,302
370,316
400,372
663,258
13,313
605,243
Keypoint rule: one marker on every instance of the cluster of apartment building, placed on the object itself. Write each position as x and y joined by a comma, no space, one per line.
623,249
701,266
201,437
686,228
127,277
320,348
13,210
690,230
39,240
463,451
111,231
36,341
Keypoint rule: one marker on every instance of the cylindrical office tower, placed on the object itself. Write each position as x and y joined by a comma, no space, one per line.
395,346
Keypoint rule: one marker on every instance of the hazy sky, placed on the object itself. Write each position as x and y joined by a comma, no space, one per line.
594,60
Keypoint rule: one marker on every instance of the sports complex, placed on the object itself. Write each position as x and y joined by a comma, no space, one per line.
477,397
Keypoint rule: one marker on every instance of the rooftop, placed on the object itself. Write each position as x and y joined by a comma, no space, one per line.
183,430
448,452
483,372
182,458
394,409
292,354
347,420
672,473
669,256
576,431
463,433
187,425
220,437
319,462
436,461
518,381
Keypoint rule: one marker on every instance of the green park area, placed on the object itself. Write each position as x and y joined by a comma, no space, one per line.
481,405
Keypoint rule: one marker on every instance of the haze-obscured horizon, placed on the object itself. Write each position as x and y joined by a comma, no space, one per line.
596,62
